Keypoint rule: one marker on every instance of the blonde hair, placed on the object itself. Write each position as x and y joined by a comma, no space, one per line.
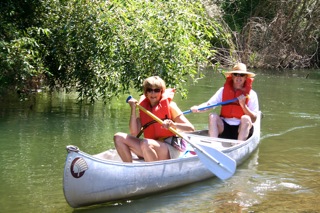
153,81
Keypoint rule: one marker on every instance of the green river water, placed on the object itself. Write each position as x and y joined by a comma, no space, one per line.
283,175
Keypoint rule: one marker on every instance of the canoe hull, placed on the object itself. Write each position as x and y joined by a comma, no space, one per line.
89,180
108,181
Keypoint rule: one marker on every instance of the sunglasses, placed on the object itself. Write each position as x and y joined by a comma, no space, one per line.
237,75
153,90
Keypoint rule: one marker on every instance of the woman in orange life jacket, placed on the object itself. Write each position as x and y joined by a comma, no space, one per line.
157,99
236,119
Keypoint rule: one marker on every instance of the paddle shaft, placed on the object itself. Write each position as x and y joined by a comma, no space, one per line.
180,135
212,105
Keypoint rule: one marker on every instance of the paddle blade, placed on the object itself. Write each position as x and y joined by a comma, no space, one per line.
217,162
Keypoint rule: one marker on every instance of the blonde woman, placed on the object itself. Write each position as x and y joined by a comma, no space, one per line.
158,142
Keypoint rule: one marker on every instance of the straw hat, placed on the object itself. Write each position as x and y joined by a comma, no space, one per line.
240,68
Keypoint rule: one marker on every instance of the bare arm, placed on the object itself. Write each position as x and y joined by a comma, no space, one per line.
195,109
216,98
179,122
134,122
245,108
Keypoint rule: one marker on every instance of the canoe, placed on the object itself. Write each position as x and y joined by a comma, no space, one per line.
93,179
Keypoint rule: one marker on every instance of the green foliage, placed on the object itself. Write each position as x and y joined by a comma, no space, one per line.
237,12
112,46
104,48
20,45
20,62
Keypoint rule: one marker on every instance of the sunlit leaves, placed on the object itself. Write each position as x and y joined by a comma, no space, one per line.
104,48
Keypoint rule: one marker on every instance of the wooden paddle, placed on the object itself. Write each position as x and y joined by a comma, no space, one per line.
217,162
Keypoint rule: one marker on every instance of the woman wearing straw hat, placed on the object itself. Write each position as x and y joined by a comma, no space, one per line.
236,119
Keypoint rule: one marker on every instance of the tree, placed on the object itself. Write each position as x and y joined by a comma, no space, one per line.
104,48
20,49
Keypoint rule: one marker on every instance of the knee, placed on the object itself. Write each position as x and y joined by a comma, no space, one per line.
213,117
245,119
144,144
118,137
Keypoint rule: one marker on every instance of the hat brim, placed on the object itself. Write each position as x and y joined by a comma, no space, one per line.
249,74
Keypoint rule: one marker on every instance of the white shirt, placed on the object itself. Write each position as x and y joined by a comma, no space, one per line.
253,104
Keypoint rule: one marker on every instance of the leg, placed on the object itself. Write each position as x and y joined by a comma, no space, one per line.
126,143
154,150
244,128
215,125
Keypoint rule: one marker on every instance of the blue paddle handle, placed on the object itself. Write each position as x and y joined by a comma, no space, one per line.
212,105
129,97
187,112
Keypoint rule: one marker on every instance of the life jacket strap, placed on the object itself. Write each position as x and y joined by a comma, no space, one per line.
147,125
144,127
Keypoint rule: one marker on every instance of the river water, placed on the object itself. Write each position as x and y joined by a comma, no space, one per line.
282,175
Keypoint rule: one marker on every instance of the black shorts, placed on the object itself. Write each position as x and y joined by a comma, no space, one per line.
231,131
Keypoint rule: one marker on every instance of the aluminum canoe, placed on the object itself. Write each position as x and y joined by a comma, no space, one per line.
93,179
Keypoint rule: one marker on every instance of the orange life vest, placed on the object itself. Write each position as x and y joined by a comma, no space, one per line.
234,110
162,111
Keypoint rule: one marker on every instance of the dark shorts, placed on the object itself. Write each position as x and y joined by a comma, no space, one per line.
231,132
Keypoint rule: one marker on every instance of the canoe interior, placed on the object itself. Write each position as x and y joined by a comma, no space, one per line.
200,137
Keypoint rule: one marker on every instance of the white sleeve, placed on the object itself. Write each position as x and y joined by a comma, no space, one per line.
253,102
216,98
